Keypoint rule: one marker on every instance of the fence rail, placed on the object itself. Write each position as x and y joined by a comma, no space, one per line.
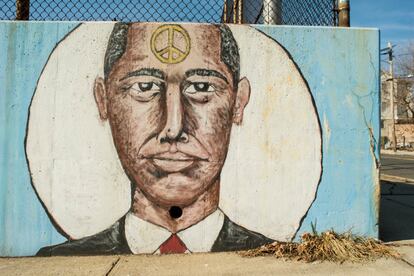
285,12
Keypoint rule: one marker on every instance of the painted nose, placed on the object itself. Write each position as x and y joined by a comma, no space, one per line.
173,129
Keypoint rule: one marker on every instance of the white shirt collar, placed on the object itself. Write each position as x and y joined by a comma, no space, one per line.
145,237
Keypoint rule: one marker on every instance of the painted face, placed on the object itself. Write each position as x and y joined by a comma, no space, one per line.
170,101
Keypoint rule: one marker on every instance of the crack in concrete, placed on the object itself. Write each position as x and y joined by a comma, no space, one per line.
390,188
373,141
112,266
407,262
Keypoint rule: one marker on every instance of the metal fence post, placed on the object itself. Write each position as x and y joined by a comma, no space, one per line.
272,12
344,13
22,9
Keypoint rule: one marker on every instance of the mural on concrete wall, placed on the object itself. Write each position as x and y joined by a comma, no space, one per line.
166,138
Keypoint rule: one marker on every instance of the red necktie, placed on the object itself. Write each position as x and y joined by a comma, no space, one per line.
173,245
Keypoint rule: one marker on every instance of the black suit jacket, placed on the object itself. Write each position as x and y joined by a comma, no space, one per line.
112,241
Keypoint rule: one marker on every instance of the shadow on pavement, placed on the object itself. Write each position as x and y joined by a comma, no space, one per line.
396,220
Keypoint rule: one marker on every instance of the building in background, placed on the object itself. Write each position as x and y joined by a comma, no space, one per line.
403,111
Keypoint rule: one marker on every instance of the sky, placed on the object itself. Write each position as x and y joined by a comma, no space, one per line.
394,18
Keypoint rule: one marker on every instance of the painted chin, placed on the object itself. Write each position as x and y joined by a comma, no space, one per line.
190,179
174,189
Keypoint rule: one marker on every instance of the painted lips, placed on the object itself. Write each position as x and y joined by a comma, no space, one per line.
173,162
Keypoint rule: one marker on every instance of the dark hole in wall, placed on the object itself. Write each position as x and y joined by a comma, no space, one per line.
175,212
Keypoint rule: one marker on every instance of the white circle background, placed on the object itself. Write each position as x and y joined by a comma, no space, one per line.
273,165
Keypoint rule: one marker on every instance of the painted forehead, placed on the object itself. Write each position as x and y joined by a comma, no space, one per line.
173,43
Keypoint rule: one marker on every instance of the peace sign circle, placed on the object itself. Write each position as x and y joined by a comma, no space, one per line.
170,43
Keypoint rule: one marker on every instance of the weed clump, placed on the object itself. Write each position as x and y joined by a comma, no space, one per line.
327,246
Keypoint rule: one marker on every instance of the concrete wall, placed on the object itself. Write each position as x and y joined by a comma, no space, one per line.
157,138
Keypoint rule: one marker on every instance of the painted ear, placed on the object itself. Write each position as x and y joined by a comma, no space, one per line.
100,97
242,98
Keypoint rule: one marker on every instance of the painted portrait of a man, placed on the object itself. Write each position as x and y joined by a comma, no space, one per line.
172,97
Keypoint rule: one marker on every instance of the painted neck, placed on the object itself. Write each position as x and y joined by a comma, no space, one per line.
149,211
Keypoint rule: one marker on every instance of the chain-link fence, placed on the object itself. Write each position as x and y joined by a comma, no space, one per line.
286,12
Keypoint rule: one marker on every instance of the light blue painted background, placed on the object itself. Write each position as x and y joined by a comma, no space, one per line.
342,70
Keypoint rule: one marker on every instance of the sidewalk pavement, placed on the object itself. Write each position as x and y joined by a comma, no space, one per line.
201,264
396,217
398,152
394,178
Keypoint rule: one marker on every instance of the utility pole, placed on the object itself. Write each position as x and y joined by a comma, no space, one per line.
390,62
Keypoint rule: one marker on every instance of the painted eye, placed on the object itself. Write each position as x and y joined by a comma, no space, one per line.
141,87
200,87
144,91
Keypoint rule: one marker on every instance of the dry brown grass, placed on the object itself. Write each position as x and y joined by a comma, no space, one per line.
327,246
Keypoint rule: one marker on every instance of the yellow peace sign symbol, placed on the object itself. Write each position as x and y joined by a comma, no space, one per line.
175,48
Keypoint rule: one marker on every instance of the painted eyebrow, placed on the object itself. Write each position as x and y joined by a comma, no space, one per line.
153,72
205,73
